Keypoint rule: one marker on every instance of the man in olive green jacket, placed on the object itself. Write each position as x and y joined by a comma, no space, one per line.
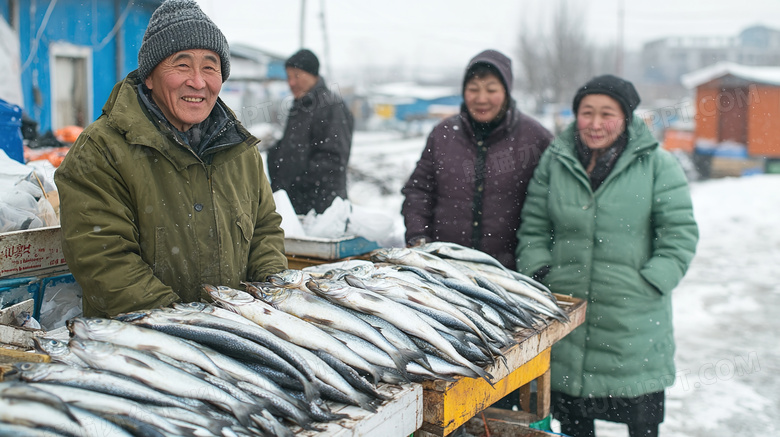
166,191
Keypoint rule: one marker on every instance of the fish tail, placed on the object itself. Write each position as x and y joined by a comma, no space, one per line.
482,373
270,425
244,412
401,357
419,357
310,391
423,361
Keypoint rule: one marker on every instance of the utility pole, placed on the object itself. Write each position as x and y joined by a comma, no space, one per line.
326,49
303,22
619,48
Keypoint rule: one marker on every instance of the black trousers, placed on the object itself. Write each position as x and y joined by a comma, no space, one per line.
642,414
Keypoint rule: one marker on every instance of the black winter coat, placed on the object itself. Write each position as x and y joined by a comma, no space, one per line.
310,161
471,192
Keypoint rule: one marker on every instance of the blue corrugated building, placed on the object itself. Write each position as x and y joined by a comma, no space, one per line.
406,101
72,52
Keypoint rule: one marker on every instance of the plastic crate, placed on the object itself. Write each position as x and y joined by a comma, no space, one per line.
15,290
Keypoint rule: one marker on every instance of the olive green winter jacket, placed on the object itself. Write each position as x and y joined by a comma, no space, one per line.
622,249
146,222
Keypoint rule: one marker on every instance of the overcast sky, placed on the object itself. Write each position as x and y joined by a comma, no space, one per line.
431,33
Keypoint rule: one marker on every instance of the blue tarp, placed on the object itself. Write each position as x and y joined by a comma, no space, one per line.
11,130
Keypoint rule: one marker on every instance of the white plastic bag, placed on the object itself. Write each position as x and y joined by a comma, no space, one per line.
60,302
290,223
371,224
332,223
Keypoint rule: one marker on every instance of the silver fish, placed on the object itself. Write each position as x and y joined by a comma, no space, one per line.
31,413
290,278
155,373
401,316
524,289
401,292
140,338
235,338
418,258
59,351
288,327
107,404
97,380
11,430
319,311
427,281
211,316
372,354
474,256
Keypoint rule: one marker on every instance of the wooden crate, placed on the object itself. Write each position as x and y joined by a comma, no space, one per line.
327,248
10,356
399,416
35,250
18,338
448,405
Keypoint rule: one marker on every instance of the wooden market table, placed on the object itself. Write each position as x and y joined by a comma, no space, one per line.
437,408
448,405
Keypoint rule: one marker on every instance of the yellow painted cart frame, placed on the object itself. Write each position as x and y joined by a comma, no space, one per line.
448,405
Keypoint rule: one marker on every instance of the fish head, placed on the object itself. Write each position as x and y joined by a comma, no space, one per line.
380,255
287,278
191,307
335,274
356,281
390,254
327,287
362,270
86,349
269,293
94,328
229,295
51,346
33,371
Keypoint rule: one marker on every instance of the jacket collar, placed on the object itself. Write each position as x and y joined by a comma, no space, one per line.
128,115
511,118
312,95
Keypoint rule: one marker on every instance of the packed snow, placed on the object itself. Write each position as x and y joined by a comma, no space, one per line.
724,309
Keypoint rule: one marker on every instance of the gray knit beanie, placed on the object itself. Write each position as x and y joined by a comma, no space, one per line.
180,25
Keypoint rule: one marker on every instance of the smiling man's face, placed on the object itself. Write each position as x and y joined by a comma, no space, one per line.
186,85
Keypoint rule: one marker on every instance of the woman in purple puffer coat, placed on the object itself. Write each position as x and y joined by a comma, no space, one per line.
471,180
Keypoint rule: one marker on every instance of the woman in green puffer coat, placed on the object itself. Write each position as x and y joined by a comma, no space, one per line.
608,219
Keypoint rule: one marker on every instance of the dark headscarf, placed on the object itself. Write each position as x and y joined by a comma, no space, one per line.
498,64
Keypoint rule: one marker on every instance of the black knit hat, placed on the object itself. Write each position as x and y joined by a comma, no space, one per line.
304,60
619,89
180,25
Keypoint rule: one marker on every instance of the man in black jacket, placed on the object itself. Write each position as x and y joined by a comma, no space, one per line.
310,161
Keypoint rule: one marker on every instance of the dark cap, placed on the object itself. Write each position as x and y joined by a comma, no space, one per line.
304,60
619,89
496,59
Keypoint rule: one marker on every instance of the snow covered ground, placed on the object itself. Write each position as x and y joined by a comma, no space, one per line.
725,309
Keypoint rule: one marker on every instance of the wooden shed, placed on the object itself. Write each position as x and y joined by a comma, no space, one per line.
72,52
737,105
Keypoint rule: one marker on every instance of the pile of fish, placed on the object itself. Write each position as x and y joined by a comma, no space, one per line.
260,361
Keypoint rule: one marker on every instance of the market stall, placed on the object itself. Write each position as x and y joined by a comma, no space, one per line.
428,407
